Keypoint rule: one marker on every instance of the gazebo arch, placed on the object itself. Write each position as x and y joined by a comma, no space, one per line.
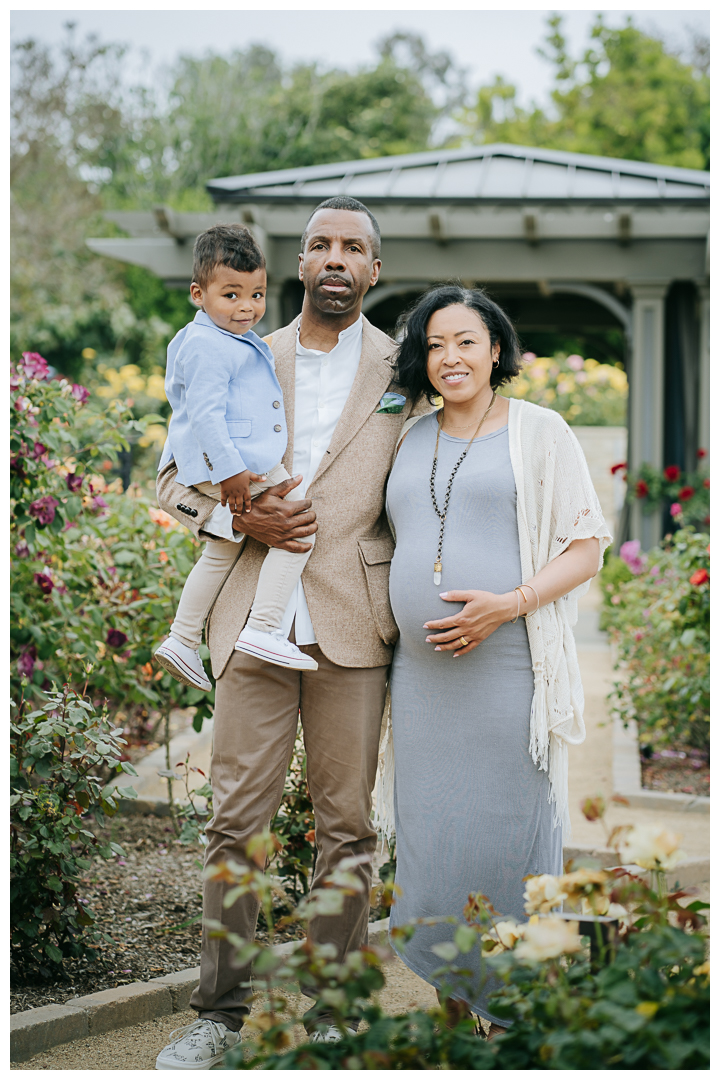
626,239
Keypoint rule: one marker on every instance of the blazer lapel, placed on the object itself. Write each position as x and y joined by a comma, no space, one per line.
283,349
374,374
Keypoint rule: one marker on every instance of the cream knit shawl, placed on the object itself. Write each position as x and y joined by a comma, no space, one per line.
556,504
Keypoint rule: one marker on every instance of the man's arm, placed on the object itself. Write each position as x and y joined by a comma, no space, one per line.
272,520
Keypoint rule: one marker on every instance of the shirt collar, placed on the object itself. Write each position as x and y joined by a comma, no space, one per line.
249,336
349,334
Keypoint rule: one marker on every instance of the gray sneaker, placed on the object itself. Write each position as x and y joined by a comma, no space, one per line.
200,1045
331,1034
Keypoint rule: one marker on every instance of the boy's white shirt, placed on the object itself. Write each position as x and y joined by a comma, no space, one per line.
322,385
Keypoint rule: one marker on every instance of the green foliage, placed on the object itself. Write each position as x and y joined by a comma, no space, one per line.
645,1008
659,619
643,1003
582,391
57,753
628,96
97,573
615,572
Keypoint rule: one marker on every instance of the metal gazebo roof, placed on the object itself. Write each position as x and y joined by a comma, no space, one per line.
493,172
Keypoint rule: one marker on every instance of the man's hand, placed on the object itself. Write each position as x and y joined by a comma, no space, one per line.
235,491
278,522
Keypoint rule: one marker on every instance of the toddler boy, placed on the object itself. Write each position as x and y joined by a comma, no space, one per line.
227,435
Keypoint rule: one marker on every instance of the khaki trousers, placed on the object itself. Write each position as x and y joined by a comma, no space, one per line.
256,713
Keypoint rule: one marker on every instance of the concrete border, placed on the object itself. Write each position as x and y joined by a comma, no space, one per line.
627,777
37,1030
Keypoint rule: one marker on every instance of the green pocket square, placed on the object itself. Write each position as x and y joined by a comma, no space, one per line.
391,403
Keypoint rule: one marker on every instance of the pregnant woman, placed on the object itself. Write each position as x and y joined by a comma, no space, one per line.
498,528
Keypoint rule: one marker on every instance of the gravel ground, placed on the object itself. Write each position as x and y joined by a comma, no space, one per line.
137,1047
677,770
149,903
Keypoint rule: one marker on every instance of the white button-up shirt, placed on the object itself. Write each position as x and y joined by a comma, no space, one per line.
322,384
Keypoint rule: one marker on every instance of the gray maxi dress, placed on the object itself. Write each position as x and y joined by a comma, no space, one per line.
471,808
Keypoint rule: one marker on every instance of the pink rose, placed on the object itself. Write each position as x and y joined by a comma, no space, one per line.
575,362
80,393
675,510
34,366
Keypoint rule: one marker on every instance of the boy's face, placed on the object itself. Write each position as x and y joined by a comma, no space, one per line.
234,300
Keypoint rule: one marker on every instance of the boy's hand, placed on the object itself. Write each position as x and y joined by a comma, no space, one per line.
235,491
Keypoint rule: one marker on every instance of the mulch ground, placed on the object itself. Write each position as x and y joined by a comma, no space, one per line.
686,770
149,903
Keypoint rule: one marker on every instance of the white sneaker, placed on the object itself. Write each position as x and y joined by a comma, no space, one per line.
201,1045
274,648
183,663
331,1035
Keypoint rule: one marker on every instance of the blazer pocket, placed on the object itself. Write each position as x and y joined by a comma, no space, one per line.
375,555
239,429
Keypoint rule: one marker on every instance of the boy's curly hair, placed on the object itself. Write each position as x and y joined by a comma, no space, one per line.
225,245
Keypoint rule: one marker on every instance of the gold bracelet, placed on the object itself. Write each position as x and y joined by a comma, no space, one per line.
538,598
518,607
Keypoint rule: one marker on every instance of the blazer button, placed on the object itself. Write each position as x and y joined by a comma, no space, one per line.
276,404
278,427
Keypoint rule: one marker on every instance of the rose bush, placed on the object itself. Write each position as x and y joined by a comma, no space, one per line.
686,495
96,573
658,614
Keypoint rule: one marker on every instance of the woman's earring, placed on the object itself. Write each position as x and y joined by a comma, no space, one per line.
496,363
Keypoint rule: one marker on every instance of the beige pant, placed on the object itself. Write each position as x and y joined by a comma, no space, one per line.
256,713
279,575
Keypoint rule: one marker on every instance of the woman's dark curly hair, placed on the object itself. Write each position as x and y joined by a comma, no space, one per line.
412,357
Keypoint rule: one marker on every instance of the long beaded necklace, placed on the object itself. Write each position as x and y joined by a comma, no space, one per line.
442,514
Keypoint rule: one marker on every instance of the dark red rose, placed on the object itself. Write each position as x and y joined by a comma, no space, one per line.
618,467
26,661
641,489
706,482
702,453
43,509
73,481
672,473
21,549
686,493
38,450
45,583
116,639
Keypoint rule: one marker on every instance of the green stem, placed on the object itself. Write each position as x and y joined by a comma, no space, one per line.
171,803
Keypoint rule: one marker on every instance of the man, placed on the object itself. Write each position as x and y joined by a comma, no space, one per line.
335,370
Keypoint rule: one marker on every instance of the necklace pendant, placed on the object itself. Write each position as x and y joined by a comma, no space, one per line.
437,576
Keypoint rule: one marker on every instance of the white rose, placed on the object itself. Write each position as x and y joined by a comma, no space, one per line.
542,893
548,938
504,935
652,847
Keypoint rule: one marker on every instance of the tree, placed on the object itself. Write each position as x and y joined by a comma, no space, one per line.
629,96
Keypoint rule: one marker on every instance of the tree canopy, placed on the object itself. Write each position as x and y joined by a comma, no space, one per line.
628,96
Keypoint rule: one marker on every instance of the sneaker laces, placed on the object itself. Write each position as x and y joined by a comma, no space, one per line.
197,1025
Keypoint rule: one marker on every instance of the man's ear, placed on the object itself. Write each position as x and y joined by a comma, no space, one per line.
375,272
300,266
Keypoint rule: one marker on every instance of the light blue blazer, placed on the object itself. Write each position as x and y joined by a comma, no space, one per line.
227,405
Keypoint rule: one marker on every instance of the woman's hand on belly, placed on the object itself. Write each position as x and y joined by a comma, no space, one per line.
481,616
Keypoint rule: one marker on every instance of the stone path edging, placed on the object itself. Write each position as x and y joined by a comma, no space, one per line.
37,1030
627,777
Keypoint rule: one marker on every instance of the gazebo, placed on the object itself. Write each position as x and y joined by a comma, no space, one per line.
613,251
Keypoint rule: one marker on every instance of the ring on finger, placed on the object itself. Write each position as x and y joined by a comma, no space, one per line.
463,641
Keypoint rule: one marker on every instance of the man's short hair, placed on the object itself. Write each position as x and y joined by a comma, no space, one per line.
345,202
225,245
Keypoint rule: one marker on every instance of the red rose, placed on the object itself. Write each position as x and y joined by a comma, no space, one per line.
46,583
115,639
617,468
686,493
672,473
699,577
73,481
641,489
706,482
702,453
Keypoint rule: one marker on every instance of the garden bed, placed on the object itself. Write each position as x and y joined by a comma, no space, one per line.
686,770
149,903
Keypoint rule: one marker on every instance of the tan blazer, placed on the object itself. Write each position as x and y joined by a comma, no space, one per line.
346,577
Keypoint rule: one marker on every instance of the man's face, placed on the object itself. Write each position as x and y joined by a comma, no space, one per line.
337,266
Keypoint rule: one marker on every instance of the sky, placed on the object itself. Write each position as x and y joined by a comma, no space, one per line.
485,42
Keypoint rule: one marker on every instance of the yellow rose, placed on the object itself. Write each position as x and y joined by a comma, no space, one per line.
547,939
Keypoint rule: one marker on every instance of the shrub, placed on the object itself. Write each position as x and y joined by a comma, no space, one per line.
685,495
96,572
659,618
584,392
58,753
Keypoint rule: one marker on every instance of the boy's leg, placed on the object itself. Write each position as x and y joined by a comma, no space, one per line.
280,571
203,583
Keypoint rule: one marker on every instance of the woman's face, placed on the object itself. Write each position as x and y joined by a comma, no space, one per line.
460,357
